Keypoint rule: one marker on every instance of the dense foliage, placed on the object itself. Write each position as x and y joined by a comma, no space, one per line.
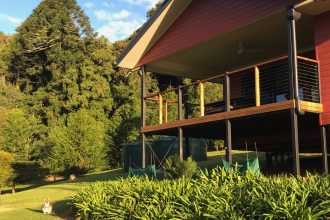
6,170
215,195
62,102
175,168
18,134
28,171
77,147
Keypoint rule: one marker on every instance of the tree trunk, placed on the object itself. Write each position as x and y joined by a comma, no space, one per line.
13,189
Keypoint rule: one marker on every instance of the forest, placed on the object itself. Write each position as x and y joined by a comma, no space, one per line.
64,106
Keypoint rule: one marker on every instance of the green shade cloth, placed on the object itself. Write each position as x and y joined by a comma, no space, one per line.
251,165
158,150
148,171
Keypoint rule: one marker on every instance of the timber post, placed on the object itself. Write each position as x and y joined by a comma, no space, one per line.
180,139
179,103
324,149
257,85
202,107
228,140
160,97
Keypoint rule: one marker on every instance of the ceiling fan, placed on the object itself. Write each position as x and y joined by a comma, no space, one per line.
242,49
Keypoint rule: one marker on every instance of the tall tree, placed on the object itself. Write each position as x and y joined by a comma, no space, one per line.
17,134
77,147
6,170
62,67
57,59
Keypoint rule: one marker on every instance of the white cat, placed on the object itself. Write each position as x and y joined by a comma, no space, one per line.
47,209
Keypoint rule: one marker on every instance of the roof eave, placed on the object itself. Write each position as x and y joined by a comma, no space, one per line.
141,32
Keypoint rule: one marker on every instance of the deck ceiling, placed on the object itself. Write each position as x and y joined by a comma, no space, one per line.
268,37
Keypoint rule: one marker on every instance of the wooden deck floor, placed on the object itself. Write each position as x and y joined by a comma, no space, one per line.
273,107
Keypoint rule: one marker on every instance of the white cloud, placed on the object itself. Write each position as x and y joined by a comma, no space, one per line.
116,30
107,5
103,15
11,19
146,3
88,5
119,25
121,15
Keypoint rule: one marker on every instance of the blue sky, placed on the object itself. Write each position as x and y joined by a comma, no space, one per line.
115,19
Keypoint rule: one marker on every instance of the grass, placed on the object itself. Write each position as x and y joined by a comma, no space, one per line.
27,204
214,158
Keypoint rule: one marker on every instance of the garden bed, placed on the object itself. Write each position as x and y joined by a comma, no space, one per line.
213,195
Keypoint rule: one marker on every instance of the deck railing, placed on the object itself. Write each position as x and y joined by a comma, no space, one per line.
256,85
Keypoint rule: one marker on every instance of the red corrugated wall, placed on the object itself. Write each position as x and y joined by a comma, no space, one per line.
204,19
322,41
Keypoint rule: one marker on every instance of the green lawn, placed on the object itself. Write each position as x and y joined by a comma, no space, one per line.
27,203
214,158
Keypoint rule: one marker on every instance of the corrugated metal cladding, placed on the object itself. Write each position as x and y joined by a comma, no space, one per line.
322,41
204,19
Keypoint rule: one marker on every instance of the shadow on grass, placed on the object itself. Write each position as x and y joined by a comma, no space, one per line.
35,210
63,209
102,176
28,187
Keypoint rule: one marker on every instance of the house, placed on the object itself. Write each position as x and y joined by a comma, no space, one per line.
272,57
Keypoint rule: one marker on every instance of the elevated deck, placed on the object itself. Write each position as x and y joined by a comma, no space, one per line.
167,128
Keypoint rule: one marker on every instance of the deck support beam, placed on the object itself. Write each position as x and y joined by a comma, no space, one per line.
180,139
187,147
143,115
228,140
324,150
295,142
292,17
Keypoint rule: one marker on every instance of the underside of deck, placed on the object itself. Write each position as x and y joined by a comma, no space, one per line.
269,126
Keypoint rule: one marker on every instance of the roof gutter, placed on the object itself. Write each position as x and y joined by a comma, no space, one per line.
141,32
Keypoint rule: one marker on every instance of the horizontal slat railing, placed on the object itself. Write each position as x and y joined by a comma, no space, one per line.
264,83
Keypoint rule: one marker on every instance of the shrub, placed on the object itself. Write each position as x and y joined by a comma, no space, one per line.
28,171
6,171
214,195
175,168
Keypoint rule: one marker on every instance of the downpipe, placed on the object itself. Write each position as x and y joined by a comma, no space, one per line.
294,16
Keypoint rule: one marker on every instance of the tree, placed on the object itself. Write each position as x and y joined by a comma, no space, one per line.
4,39
61,67
58,61
6,170
78,147
125,121
10,97
17,134
153,10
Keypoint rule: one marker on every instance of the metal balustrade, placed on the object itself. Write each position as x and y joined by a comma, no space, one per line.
257,85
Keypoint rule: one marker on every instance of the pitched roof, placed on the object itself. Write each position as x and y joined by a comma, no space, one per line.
150,32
